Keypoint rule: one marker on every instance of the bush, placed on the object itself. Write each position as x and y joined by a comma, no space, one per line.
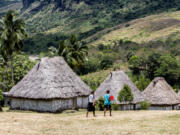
141,81
127,25
136,64
106,62
125,95
100,104
115,107
1,95
101,47
92,65
145,105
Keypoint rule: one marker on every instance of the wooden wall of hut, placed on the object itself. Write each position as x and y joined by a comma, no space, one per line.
129,107
165,107
55,105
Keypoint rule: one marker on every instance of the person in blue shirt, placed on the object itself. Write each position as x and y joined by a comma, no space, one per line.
107,102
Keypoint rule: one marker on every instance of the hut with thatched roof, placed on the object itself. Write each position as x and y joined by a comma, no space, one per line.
179,97
179,93
161,95
51,86
115,82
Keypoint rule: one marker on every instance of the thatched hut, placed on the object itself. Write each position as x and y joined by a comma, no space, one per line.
179,97
115,82
179,93
161,95
51,86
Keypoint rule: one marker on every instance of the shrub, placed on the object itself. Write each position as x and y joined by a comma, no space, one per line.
115,107
100,104
106,62
145,105
125,95
116,67
135,64
1,96
141,81
101,47
127,25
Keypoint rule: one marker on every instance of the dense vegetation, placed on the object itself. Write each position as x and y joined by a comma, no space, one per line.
157,65
12,34
22,64
48,23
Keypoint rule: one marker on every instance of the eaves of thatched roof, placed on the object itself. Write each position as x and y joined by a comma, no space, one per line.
51,78
159,92
115,82
179,93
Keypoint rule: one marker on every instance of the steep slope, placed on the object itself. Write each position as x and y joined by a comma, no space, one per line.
51,21
6,5
161,27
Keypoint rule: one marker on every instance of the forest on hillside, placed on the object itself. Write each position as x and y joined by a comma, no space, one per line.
48,23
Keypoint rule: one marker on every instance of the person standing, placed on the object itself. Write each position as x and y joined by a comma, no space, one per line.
107,103
91,104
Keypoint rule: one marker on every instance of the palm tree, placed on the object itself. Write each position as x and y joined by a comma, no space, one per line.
12,33
74,52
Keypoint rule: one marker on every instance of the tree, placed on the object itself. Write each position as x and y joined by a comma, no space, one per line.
169,69
142,82
153,63
12,33
62,48
52,51
106,62
137,64
22,65
125,94
74,52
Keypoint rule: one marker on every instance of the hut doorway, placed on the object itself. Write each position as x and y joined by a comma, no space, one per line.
74,100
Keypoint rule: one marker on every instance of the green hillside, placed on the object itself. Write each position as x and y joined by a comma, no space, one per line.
6,5
161,27
156,32
47,23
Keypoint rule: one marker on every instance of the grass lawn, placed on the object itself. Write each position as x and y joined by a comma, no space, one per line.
122,123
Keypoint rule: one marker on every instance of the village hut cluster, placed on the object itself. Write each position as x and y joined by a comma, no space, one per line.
52,86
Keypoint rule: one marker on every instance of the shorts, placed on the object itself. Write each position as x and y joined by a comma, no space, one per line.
107,107
90,107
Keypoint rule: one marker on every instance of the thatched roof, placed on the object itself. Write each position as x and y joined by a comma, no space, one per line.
179,93
49,79
159,92
115,82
